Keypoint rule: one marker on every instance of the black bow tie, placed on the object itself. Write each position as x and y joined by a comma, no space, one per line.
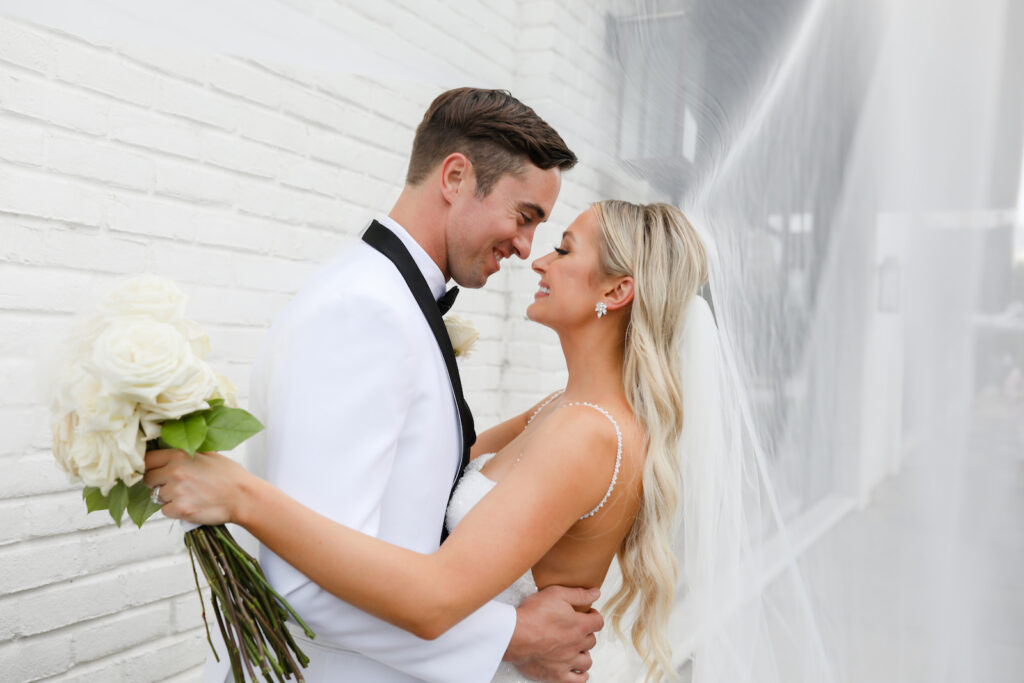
447,299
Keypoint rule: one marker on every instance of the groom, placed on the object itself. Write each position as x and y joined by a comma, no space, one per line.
365,417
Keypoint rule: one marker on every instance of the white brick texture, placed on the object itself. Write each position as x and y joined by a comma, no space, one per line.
235,177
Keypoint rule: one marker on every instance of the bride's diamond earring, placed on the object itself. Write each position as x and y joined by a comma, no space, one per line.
601,309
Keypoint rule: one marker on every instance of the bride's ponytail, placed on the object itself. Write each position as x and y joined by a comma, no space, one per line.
658,247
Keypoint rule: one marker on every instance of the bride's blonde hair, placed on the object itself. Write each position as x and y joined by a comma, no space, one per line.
657,246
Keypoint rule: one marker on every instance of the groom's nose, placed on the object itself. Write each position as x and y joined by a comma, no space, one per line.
522,242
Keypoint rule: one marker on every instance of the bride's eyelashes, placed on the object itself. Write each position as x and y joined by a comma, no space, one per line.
560,251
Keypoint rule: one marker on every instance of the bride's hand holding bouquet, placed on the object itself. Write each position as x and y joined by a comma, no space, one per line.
132,377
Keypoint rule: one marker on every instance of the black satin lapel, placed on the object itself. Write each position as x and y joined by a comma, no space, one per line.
387,243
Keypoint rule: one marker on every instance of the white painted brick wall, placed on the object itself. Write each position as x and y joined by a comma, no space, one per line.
235,177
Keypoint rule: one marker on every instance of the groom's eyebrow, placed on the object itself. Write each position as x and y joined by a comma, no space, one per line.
530,206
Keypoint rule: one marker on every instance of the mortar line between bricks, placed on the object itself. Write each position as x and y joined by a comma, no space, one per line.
159,154
99,576
56,32
153,109
120,274
372,143
100,95
487,58
211,325
47,125
146,194
29,495
454,9
40,495
99,534
141,239
114,50
308,87
187,676
205,247
31,312
76,625
120,655
103,617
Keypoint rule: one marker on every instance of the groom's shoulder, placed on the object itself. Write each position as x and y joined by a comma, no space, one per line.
358,280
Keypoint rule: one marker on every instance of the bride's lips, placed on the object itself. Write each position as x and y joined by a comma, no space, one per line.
543,291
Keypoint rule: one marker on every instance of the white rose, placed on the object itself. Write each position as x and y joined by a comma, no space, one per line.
102,447
74,386
139,359
150,425
187,396
83,407
100,458
63,439
148,295
95,406
462,334
226,390
197,339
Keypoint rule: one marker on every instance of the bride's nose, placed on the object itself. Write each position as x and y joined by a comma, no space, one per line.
540,265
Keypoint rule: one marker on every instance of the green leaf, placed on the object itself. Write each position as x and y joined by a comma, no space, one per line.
140,505
173,434
195,431
214,402
94,499
118,501
228,427
185,433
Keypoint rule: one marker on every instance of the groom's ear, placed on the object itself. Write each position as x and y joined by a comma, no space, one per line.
620,294
455,171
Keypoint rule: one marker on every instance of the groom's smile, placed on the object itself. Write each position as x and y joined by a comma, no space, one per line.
487,230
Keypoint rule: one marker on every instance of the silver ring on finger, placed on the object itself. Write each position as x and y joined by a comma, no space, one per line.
155,495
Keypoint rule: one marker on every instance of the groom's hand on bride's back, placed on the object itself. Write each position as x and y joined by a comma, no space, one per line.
552,639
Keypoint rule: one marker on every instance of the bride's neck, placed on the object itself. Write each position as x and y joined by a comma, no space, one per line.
594,359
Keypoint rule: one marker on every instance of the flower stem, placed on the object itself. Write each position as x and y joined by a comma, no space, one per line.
250,613
232,545
199,591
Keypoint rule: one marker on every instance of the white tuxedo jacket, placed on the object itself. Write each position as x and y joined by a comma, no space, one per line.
362,426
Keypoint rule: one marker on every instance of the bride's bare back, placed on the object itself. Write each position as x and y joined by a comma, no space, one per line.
581,557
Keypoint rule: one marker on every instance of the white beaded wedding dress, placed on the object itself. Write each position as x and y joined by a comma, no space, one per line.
473,486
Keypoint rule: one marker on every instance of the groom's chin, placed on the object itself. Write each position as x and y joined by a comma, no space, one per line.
472,280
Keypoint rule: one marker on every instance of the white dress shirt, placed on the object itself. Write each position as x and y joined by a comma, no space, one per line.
362,426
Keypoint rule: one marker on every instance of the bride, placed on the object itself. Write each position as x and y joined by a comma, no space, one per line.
550,496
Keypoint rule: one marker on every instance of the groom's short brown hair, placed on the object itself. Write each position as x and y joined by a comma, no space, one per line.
497,132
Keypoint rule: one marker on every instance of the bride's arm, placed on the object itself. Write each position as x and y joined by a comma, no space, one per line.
495,438
563,473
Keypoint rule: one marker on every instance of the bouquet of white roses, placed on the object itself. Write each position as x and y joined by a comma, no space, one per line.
133,378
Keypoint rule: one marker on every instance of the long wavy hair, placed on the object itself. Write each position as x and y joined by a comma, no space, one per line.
657,246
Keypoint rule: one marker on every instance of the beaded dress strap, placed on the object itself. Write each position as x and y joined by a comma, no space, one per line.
618,442
618,453
544,405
